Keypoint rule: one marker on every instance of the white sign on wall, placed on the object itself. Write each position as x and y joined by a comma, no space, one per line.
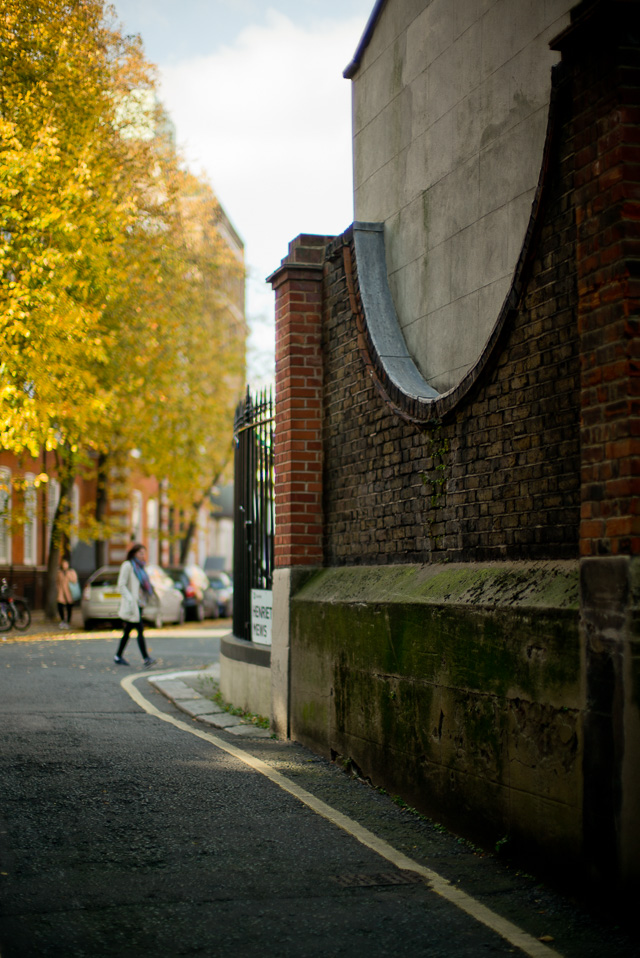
261,613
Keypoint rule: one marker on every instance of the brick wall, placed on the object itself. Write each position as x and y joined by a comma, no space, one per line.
499,476
539,459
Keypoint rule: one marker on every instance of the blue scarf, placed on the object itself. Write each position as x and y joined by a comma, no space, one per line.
143,578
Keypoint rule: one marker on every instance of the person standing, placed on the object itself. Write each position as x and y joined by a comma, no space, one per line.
135,590
66,576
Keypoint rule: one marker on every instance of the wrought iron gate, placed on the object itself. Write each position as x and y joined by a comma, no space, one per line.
253,505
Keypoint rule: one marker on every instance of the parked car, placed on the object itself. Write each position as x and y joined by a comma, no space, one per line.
199,598
223,587
101,599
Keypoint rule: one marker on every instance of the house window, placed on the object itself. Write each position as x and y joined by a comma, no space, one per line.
53,498
136,515
30,521
5,515
75,517
152,530
202,536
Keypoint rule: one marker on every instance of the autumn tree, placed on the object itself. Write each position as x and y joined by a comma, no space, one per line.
115,324
182,296
66,202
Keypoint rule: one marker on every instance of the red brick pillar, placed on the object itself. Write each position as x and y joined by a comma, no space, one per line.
601,53
298,435
606,90
298,287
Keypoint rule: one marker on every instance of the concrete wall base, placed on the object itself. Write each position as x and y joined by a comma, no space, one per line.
610,633
245,675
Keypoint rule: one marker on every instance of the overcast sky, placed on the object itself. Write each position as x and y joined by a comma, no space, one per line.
256,92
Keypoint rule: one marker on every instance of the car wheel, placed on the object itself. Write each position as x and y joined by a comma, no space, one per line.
87,624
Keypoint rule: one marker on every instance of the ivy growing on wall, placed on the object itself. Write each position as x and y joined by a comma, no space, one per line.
435,480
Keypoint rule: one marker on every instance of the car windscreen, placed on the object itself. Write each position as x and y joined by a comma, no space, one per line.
197,576
106,579
220,580
177,575
158,577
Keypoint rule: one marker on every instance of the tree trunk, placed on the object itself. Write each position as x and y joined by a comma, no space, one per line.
101,509
187,539
55,546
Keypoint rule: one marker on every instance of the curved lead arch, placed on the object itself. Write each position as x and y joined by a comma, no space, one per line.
384,349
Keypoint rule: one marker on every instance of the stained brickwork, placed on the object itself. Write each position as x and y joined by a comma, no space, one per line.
499,477
538,457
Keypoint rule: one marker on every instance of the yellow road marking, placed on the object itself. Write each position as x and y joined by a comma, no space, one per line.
215,632
441,886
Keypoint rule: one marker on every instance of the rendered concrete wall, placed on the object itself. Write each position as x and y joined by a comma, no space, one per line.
450,108
285,583
245,675
247,687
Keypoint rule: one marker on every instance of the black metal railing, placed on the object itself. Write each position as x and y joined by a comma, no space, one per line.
253,505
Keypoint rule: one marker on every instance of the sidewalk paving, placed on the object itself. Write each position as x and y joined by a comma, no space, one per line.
41,625
191,692
46,628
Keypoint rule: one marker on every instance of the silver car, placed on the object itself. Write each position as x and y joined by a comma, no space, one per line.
101,598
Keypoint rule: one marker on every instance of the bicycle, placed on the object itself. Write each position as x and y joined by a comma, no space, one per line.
13,611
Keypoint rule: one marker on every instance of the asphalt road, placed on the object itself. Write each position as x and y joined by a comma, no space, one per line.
123,833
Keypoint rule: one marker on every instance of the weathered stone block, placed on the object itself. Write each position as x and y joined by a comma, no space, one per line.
447,683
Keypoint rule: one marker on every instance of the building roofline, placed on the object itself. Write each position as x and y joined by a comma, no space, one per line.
352,68
226,222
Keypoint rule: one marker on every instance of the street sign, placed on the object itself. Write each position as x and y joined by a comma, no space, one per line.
261,614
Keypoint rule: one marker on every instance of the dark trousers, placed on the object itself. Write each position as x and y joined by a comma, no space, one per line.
64,611
128,626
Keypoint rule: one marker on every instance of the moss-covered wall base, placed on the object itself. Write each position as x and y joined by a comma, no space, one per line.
457,687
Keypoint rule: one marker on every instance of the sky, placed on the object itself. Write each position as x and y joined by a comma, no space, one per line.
256,93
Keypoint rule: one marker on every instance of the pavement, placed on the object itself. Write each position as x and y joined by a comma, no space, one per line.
193,693
41,626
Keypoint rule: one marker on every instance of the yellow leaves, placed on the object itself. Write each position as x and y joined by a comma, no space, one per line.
115,277
51,159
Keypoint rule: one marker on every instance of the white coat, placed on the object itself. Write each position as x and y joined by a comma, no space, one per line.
129,589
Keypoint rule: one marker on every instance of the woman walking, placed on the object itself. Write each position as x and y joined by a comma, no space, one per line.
135,590
66,575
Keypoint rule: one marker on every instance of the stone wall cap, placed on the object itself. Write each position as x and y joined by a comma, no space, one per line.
535,585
